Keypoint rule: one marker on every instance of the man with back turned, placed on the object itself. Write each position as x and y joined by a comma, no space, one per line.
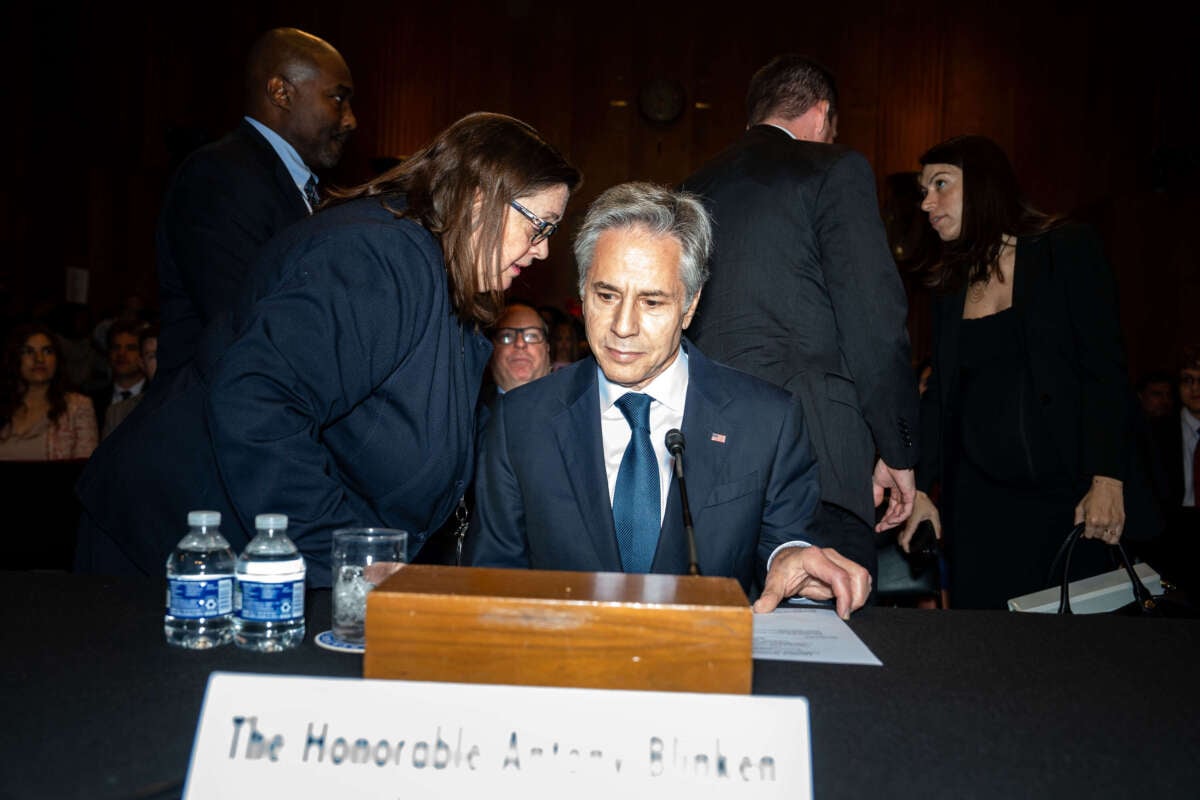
804,294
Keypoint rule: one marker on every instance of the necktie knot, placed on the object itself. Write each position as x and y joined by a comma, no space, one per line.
636,408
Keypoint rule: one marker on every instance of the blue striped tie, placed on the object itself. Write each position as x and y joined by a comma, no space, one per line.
636,498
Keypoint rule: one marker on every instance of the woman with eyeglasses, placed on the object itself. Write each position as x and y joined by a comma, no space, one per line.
1027,422
39,420
342,390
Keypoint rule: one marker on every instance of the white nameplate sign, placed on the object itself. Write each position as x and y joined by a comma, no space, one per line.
271,736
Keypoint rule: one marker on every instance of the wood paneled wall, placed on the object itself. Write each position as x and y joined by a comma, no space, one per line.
1081,100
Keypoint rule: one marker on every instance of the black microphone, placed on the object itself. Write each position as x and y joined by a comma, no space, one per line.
675,445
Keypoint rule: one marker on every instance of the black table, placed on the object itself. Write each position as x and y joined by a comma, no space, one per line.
968,704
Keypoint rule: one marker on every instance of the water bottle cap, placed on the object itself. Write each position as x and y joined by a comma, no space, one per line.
206,519
270,522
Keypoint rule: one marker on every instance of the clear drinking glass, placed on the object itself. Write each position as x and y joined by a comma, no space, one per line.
362,559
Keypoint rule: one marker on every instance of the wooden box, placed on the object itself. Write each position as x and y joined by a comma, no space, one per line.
539,628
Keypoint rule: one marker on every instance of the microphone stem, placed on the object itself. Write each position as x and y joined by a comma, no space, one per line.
689,531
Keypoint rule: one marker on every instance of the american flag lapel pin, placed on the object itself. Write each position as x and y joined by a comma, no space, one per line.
719,438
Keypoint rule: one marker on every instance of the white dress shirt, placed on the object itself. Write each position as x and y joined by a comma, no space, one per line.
134,391
669,392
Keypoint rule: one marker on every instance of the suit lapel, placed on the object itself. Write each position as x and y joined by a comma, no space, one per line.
283,179
577,428
704,461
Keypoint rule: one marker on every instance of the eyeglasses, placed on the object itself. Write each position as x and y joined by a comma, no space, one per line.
508,336
544,229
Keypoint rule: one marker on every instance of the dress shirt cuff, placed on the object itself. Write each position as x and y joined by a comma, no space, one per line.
783,547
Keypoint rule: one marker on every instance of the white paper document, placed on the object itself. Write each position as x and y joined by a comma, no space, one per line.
808,634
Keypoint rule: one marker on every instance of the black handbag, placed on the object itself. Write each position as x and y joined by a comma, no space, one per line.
1144,604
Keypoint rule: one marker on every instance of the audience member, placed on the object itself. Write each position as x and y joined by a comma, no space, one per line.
125,366
148,359
342,389
567,342
804,294
148,346
39,420
1177,443
1177,435
229,198
521,350
574,472
1156,393
1028,418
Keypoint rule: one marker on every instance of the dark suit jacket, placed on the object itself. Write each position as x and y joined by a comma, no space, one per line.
1168,440
542,494
1177,553
226,200
340,392
804,294
1065,297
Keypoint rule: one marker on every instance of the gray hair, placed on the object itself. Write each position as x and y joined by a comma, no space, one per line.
659,211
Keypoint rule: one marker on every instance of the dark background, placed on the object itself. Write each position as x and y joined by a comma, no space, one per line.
1097,110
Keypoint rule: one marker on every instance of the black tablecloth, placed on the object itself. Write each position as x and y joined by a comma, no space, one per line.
968,704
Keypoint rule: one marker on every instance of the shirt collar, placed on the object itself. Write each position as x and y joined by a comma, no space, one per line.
780,127
133,390
669,388
287,154
1190,422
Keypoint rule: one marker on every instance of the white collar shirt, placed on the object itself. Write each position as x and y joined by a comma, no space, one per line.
669,392
118,393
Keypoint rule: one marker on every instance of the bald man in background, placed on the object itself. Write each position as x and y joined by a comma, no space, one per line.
228,198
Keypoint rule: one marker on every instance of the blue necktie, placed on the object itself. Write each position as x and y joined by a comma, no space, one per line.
310,192
636,499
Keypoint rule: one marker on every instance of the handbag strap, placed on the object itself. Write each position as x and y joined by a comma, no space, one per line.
1141,594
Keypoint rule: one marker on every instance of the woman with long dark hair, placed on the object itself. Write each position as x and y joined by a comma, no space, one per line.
342,389
1024,423
39,419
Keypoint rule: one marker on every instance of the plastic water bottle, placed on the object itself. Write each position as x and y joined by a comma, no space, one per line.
269,597
200,586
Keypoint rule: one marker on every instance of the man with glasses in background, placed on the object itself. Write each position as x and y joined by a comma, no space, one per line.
522,349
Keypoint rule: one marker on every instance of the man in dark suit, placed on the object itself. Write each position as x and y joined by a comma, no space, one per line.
125,363
574,472
804,294
230,197
1177,478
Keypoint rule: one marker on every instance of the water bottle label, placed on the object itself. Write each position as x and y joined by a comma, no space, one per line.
199,596
270,602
